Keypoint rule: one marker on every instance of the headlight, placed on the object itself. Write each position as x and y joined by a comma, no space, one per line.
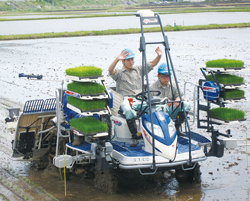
157,129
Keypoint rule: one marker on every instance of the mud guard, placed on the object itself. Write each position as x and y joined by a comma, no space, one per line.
102,163
103,158
217,148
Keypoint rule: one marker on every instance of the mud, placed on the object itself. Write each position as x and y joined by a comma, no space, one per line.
224,178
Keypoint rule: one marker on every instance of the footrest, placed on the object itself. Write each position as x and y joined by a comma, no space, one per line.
199,138
84,147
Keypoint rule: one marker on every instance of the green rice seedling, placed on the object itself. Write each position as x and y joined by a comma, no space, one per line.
84,71
89,125
226,114
86,88
86,105
224,63
232,93
226,79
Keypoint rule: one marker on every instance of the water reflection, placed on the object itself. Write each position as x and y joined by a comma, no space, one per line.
104,23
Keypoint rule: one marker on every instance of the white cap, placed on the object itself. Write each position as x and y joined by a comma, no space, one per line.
146,13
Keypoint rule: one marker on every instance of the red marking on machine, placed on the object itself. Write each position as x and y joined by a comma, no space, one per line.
209,89
146,21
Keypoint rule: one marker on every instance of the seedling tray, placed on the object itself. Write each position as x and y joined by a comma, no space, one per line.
86,105
87,112
87,96
227,114
225,63
233,100
234,86
85,79
222,69
84,71
81,133
221,121
88,126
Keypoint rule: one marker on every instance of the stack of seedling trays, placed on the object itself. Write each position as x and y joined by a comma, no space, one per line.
87,97
230,85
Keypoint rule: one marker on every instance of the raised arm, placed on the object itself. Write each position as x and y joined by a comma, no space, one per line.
157,58
120,57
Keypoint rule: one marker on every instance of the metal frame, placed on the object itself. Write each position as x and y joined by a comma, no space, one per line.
155,20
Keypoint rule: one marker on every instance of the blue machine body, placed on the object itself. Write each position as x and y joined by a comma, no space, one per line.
163,120
210,91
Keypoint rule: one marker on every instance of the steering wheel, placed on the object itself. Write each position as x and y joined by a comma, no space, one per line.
139,95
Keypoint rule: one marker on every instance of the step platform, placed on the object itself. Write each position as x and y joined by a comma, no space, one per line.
124,147
84,147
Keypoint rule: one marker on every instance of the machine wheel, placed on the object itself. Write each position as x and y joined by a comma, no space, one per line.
192,175
106,180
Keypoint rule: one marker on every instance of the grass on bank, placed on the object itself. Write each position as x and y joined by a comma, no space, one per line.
86,105
232,94
226,114
64,6
167,28
226,79
88,125
84,71
86,88
224,63
120,11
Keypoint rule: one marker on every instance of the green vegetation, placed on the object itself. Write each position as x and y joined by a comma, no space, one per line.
226,79
89,125
167,28
121,6
84,71
86,105
232,93
226,114
225,63
85,88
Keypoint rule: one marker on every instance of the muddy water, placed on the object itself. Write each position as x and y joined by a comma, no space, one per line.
165,187
222,178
